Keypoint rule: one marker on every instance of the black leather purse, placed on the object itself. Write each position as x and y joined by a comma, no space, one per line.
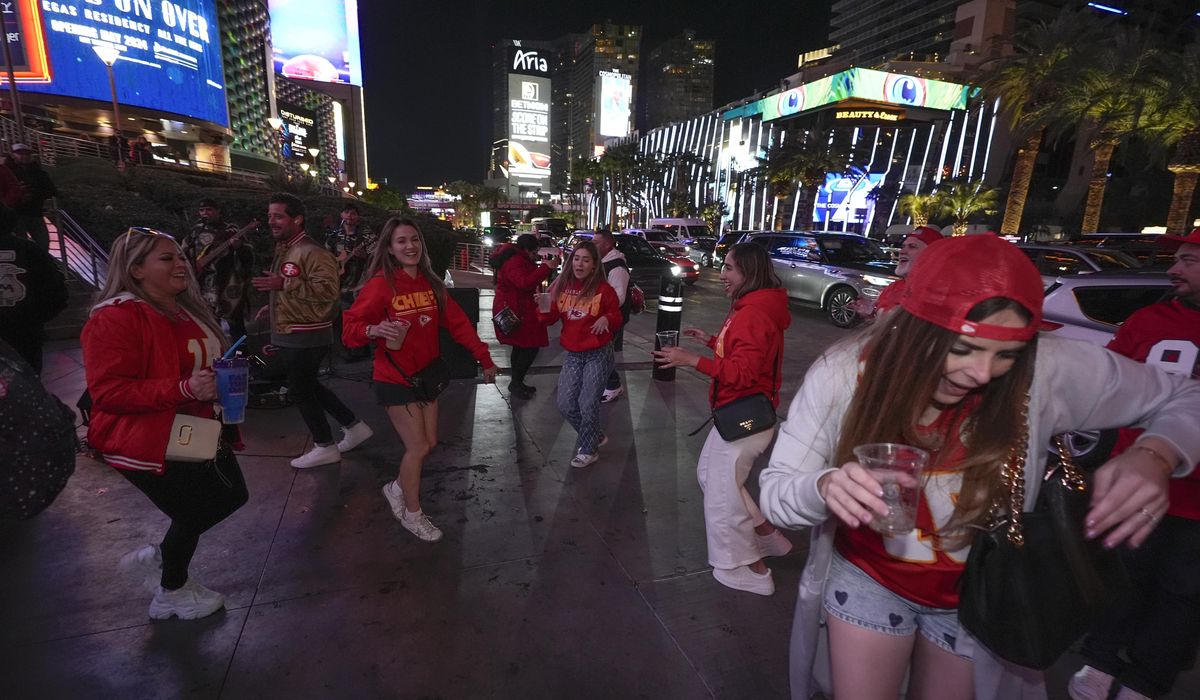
428,383
745,416
1033,583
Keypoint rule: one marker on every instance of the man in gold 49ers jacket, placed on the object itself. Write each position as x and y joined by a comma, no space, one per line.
303,284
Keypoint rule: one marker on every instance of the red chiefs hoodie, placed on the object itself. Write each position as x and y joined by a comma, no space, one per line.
749,347
578,315
412,300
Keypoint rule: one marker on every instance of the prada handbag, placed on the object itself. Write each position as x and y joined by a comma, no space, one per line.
1034,584
747,415
193,439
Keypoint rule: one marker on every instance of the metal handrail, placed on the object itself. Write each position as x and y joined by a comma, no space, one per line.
81,255
471,257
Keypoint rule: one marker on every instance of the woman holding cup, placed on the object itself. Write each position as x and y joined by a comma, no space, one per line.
590,313
399,310
747,356
148,350
958,371
518,276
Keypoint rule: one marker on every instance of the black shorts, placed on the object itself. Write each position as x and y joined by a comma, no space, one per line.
389,394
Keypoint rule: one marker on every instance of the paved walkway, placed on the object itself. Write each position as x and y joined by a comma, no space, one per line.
551,581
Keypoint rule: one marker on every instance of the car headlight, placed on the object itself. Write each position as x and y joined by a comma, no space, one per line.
687,249
487,241
878,281
676,270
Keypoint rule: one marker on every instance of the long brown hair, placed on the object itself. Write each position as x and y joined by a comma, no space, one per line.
384,263
754,264
131,248
904,357
590,284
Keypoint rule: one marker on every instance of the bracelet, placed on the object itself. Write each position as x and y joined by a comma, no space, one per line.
368,331
1157,455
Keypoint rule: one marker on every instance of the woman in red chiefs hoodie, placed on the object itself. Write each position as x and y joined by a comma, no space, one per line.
404,303
148,349
590,313
747,356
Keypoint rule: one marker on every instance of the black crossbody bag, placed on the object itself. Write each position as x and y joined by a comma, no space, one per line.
431,380
745,416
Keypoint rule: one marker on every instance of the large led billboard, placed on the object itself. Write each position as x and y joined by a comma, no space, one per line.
615,96
843,199
316,40
169,52
528,127
860,84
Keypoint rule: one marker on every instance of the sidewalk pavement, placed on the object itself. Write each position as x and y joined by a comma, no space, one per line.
550,582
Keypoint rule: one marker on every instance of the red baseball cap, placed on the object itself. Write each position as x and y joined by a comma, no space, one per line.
952,277
928,234
1193,237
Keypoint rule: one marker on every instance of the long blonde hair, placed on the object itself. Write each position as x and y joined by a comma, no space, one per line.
132,248
588,285
384,263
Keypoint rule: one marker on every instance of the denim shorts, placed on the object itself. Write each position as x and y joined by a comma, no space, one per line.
855,598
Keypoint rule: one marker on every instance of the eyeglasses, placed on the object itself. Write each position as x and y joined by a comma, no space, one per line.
142,230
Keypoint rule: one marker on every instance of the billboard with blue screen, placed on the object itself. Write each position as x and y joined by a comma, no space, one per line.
843,198
316,40
169,52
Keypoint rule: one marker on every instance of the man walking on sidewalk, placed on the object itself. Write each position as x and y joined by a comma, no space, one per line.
616,272
303,284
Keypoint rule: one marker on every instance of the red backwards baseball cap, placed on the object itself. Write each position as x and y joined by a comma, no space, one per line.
952,277
1193,237
928,234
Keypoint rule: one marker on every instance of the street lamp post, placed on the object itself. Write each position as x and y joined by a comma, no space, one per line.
109,55
12,84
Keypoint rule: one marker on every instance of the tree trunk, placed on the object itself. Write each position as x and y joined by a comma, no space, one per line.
960,228
1179,220
1018,191
1096,186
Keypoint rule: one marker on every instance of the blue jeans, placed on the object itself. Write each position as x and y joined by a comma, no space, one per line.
580,386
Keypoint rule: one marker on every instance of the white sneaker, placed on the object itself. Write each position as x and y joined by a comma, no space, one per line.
582,460
743,579
145,563
774,544
189,602
354,436
395,498
317,457
1089,684
611,395
420,525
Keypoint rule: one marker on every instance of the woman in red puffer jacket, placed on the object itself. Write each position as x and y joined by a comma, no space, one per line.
518,277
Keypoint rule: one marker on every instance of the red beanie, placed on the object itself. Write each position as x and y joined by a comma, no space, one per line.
1193,238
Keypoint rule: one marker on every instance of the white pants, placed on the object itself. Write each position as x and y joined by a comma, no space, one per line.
730,513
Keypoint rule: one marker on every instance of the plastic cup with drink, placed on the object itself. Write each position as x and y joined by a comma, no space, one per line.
543,302
898,469
233,383
401,325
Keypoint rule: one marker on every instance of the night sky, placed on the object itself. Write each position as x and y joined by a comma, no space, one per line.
427,66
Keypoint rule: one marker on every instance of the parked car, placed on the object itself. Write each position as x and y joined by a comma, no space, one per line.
1091,308
682,227
664,241
724,243
1054,261
828,270
646,265
554,227
702,250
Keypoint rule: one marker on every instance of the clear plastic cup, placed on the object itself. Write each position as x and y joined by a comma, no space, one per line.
667,339
898,469
402,326
233,383
543,302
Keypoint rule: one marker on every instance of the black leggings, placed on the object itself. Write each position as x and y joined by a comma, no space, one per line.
522,360
195,496
312,397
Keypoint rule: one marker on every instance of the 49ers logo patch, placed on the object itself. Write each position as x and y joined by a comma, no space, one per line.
290,269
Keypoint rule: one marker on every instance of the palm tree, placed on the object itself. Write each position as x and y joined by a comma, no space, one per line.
1029,84
467,208
962,199
798,165
1183,110
1115,99
921,207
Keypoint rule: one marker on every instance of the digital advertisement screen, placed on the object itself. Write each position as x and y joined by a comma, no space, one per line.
844,199
169,60
615,96
528,126
316,40
865,84
299,131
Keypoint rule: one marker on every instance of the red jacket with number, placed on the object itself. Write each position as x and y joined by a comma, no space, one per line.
749,347
131,357
413,300
1166,335
579,315
516,282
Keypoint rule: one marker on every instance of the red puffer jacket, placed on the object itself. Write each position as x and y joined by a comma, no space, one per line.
131,357
516,283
